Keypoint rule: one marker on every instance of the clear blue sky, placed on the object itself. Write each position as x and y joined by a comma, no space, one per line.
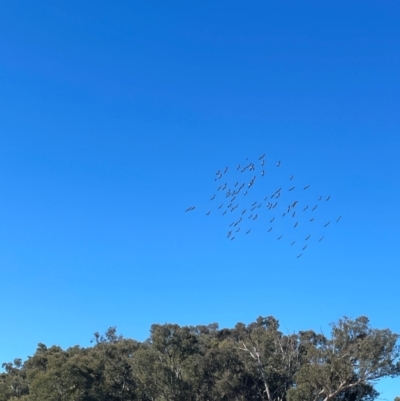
114,117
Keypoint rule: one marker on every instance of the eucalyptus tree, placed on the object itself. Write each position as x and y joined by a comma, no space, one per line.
354,358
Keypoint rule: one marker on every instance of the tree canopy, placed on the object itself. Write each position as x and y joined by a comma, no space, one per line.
205,363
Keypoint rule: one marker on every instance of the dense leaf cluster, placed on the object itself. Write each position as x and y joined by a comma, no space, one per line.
204,363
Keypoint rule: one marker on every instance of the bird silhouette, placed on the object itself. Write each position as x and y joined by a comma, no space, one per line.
299,255
304,247
337,221
321,239
234,189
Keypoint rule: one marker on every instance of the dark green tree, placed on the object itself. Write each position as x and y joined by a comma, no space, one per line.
353,358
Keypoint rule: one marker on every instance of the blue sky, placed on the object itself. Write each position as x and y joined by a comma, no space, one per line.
114,119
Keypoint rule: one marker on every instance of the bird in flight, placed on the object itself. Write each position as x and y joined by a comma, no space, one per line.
321,239
237,187
299,255
337,221
304,247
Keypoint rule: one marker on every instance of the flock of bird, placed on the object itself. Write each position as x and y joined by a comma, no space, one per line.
287,213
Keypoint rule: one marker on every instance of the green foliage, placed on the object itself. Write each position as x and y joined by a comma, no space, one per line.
204,363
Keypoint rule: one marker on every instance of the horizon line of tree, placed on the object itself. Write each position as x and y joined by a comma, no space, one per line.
253,362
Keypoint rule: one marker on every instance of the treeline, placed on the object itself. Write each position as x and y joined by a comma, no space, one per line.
204,363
